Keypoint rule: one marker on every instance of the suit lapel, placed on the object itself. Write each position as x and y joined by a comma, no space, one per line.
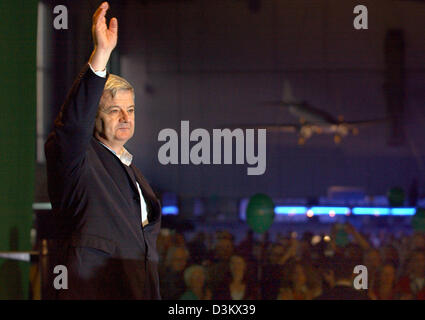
133,175
114,167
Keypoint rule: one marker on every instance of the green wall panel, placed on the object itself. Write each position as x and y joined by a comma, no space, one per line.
18,33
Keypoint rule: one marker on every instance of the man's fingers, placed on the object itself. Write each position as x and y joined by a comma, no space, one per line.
113,25
100,12
96,14
101,19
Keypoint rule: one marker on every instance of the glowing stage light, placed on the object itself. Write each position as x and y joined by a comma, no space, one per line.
172,210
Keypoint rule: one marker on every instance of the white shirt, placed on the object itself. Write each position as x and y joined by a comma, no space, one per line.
126,158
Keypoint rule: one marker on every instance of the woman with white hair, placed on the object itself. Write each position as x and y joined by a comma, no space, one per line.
194,277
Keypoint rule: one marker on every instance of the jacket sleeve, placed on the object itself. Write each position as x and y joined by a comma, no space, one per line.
73,128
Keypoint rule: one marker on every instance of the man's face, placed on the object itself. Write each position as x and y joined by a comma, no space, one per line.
276,254
224,249
179,260
115,119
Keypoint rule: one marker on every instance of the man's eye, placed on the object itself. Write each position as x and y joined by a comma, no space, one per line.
114,111
131,110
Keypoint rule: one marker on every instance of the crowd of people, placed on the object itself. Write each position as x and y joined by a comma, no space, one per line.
212,266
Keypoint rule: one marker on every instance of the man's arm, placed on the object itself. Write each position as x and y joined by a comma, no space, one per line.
75,123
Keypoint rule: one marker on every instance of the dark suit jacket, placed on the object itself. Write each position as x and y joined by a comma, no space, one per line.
341,292
95,200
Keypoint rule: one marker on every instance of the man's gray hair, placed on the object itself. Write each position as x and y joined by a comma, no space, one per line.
116,83
112,86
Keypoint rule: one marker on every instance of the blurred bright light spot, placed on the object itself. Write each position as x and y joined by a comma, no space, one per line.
315,240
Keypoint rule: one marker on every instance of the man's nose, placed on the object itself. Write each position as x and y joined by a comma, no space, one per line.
124,116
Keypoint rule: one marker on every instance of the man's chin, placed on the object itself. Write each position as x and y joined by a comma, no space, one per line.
123,136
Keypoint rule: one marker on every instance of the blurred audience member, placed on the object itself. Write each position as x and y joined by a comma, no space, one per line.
171,275
390,255
164,241
343,281
383,286
239,286
418,241
272,273
198,249
246,246
178,239
372,260
194,278
219,270
295,284
412,284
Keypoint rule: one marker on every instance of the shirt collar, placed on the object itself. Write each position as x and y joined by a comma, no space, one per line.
125,156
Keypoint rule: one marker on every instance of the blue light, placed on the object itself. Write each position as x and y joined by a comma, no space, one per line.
330,210
170,210
371,211
290,210
403,211
322,210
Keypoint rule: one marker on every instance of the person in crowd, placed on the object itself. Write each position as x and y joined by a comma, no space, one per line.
272,272
291,253
194,278
390,255
171,276
197,248
246,250
358,238
219,270
179,239
296,283
246,247
418,242
343,276
384,284
354,252
238,286
163,243
372,260
412,284
346,234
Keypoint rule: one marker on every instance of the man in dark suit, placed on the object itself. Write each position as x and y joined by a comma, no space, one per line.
107,215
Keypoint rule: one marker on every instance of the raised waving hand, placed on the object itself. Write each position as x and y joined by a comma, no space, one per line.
104,39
